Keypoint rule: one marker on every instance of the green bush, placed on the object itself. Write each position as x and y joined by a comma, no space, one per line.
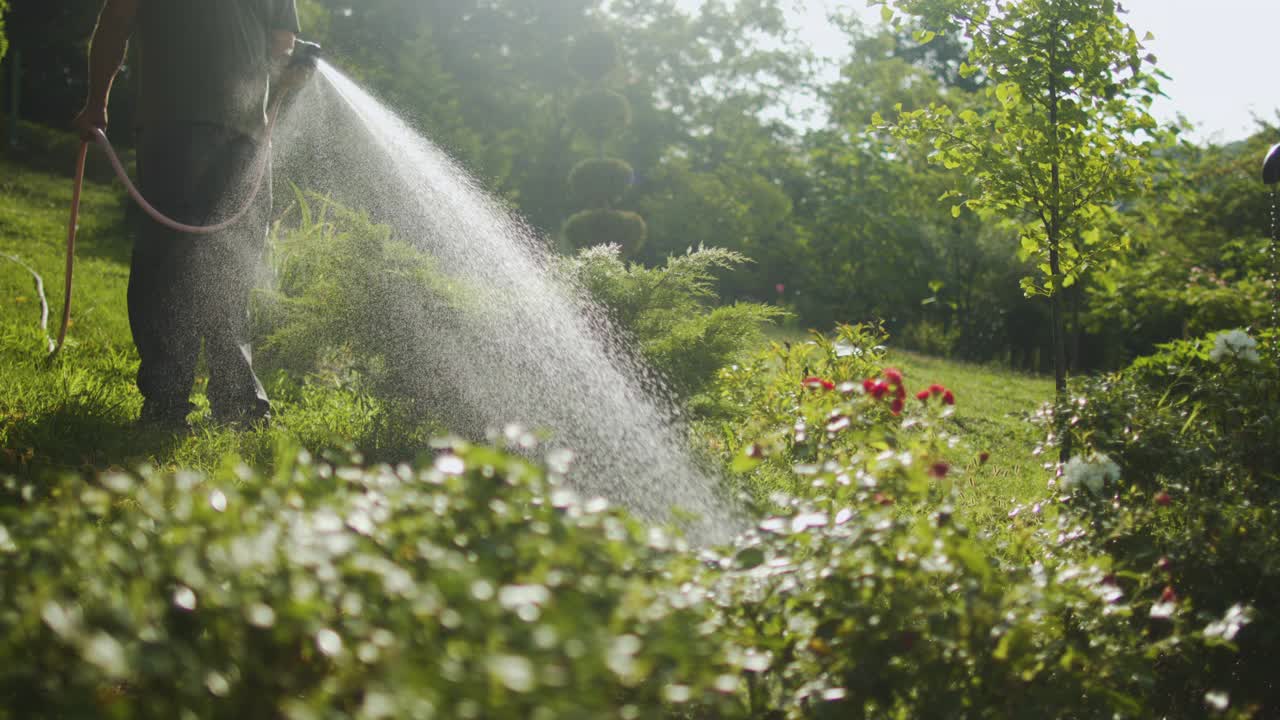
594,55
601,113
606,227
474,587
1195,437
670,311
600,182
345,302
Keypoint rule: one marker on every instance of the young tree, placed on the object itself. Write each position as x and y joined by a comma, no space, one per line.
1066,133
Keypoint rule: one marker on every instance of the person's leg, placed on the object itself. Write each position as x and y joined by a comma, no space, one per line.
159,293
229,263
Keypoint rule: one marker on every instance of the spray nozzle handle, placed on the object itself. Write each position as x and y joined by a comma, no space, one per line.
305,54
1271,166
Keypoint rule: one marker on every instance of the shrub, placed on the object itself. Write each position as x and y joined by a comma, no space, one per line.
670,311
595,55
346,301
600,113
474,587
600,182
606,227
1194,434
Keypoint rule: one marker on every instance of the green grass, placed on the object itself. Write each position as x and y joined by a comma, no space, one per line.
995,412
79,412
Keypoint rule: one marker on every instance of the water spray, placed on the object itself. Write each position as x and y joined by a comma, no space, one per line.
305,57
1271,176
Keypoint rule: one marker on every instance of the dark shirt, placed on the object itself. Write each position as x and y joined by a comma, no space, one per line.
207,61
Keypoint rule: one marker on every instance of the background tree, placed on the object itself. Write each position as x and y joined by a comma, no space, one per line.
1064,136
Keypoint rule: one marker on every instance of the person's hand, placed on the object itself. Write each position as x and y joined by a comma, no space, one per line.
291,78
90,118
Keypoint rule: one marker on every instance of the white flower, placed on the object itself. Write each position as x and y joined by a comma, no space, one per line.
1093,473
1236,344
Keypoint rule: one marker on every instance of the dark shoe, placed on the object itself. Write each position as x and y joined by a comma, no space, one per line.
244,418
165,417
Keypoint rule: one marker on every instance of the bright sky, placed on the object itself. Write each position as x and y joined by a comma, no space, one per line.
1222,55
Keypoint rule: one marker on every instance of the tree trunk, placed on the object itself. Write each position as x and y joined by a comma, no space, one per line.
1055,270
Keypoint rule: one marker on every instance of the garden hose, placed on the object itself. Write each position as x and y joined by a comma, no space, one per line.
100,138
305,55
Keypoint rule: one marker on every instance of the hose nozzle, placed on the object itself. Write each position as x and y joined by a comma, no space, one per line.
1271,166
305,54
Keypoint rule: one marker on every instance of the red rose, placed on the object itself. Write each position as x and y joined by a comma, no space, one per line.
817,383
1163,499
936,389
869,385
879,390
893,375
923,396
948,398
1168,595
939,469
896,407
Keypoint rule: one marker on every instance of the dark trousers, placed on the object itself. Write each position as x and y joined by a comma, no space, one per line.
184,289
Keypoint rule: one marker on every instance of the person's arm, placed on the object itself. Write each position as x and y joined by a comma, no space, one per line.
106,54
284,33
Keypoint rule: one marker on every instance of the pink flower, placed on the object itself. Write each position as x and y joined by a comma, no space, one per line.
893,375
948,398
937,389
879,390
780,288
1162,499
896,407
869,385
923,396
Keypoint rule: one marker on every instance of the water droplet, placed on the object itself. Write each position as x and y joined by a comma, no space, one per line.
260,615
450,465
513,671
677,693
217,684
185,598
107,653
329,642
482,590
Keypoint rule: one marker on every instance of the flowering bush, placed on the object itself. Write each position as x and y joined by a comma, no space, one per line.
1093,474
1235,344
1191,507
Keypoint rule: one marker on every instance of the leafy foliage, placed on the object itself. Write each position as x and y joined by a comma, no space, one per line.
1194,433
606,227
600,182
670,311
346,301
1063,135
